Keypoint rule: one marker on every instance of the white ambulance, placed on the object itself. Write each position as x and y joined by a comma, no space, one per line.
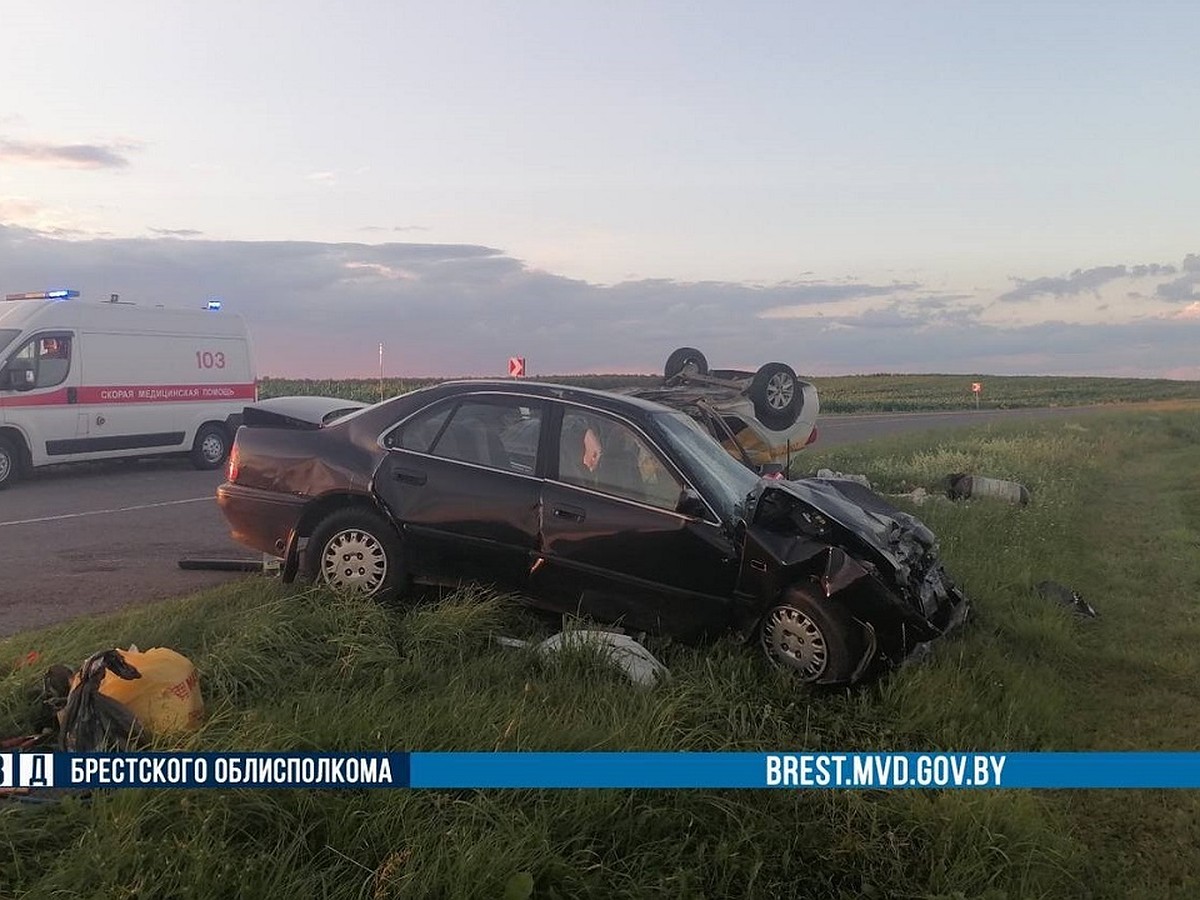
98,380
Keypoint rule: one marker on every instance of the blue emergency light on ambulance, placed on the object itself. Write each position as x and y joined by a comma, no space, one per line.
86,381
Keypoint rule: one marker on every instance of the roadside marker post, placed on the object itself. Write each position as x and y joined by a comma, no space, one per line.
977,389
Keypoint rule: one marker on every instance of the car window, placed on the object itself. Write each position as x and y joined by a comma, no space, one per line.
419,432
723,480
495,432
48,357
603,454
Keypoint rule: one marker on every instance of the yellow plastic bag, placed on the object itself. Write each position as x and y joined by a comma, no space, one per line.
167,696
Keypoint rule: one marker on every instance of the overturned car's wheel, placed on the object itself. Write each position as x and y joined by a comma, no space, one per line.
814,639
685,361
775,393
355,551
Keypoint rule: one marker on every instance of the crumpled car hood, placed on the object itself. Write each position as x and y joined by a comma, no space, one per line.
900,538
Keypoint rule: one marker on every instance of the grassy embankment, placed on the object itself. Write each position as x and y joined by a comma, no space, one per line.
839,394
1116,514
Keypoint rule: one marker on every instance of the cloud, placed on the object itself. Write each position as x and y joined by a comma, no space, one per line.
320,310
327,178
69,156
1191,311
177,232
1079,282
1181,289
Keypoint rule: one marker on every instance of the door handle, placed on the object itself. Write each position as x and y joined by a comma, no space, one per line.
72,395
410,476
570,513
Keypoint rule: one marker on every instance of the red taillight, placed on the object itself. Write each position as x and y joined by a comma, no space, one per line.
231,473
812,438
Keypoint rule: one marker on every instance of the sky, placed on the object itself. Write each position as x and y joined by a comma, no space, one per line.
1004,188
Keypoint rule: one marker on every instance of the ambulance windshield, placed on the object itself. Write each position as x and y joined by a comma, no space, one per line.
6,336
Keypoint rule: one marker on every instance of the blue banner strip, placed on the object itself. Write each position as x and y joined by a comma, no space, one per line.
429,770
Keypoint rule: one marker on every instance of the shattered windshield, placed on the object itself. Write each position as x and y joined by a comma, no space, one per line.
723,480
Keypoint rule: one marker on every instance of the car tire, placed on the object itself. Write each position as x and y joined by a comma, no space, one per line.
356,551
10,463
211,447
776,395
814,639
683,360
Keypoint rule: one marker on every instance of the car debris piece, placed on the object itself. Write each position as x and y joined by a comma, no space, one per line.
222,565
962,487
595,504
857,479
1052,590
917,496
639,664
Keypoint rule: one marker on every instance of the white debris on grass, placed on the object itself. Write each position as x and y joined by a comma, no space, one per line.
829,473
639,664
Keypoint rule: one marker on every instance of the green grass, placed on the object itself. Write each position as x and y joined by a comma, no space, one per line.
1115,514
838,394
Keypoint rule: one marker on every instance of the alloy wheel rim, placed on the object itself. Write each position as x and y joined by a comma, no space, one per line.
354,560
792,640
212,448
5,466
780,389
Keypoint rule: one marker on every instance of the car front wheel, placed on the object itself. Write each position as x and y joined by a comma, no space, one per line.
355,551
814,639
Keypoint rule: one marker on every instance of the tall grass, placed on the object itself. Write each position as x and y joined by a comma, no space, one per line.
1113,515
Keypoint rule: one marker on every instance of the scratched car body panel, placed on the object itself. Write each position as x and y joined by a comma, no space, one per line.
591,503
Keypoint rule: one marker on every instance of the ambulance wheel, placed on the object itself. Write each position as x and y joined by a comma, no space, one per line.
211,447
10,463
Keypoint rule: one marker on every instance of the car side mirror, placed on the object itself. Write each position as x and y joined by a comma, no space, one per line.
691,504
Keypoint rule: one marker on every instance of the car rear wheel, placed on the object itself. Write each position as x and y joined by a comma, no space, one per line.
210,447
685,361
814,639
355,551
775,393
10,463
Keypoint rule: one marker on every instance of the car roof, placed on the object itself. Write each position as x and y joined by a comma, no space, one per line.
588,396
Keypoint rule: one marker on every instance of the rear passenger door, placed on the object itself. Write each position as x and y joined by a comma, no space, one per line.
460,478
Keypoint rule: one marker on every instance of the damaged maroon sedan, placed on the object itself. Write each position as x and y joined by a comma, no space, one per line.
590,503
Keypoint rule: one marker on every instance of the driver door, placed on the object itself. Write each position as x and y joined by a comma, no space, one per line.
39,394
612,545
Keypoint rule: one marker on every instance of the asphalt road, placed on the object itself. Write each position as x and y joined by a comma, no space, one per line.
91,538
